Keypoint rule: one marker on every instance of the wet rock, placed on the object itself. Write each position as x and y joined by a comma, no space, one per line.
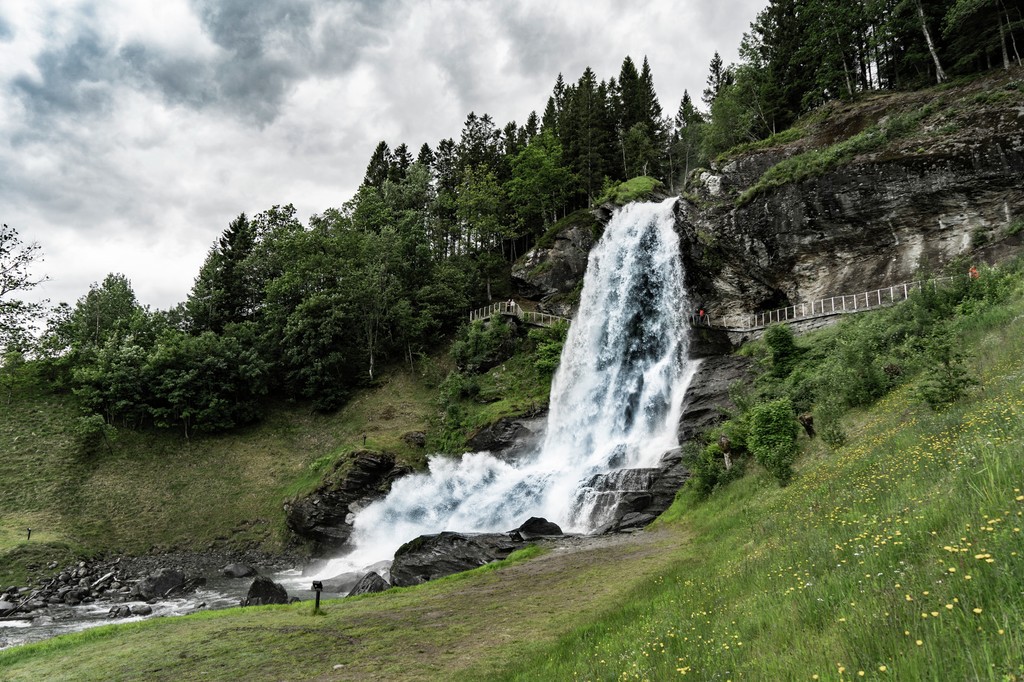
238,571
265,591
498,436
325,516
341,583
159,584
435,556
369,583
6,606
707,397
536,527
141,610
121,611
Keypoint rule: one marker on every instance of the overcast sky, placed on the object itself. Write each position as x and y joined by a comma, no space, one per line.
131,133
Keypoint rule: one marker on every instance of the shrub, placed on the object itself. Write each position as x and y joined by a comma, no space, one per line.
548,343
782,350
946,380
772,438
481,346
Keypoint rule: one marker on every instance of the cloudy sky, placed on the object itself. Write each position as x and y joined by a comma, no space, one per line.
131,132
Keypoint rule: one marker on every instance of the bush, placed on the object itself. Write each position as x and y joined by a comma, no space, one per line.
772,438
481,345
548,343
946,380
782,350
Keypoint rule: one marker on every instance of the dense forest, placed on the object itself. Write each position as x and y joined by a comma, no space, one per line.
311,312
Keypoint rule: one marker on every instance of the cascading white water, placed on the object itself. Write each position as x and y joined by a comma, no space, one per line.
615,404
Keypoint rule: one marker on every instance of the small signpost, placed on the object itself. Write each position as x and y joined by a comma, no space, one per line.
318,586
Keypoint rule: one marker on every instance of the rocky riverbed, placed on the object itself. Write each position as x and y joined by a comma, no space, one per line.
64,599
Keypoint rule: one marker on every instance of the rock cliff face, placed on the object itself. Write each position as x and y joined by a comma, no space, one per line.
950,187
552,272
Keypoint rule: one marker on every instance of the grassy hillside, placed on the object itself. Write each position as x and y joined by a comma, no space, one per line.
897,555
155,491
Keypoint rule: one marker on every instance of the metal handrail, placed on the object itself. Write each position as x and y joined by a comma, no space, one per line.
512,309
835,305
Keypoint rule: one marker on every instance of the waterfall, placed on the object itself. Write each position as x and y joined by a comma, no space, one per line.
615,404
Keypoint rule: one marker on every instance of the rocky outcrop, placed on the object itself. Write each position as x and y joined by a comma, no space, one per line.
708,394
553,271
369,584
325,516
434,556
508,437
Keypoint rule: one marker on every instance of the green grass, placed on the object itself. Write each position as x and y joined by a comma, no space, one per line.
156,491
461,627
635,189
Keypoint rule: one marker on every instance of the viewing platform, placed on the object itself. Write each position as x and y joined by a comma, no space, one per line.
512,309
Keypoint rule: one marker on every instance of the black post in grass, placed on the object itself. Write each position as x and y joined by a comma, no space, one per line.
317,585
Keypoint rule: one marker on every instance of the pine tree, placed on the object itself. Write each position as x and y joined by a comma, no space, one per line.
719,76
379,168
425,156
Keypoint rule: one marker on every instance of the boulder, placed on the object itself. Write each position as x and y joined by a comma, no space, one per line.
158,584
142,610
122,611
265,591
238,571
536,527
341,583
498,436
6,606
435,556
371,582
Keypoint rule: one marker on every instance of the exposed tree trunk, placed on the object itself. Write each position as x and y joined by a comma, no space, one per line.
1002,46
1013,39
940,75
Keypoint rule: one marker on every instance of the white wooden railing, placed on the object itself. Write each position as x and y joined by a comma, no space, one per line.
826,307
512,309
